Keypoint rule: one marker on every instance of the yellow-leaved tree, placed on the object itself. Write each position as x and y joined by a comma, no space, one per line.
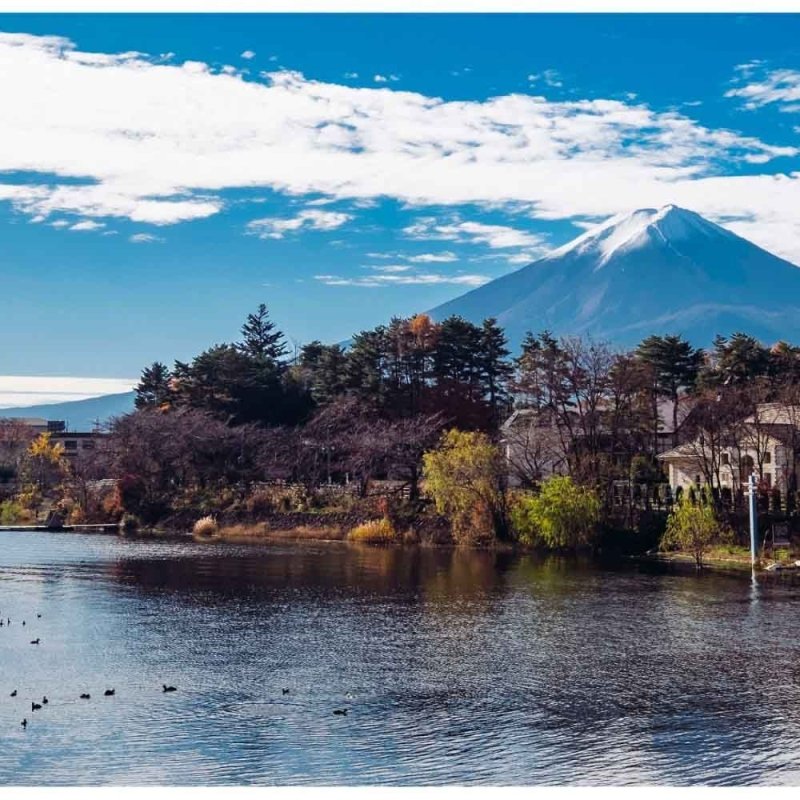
693,528
561,516
465,477
42,468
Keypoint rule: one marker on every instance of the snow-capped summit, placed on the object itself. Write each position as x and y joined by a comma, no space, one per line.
626,232
666,270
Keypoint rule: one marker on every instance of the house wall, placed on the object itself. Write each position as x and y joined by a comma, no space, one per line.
684,473
74,443
515,452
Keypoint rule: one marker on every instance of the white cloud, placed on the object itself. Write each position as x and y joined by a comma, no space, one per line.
493,236
87,225
390,267
351,75
779,86
277,228
159,142
144,238
25,390
523,257
247,55
550,77
444,257
414,279
319,201
385,78
433,258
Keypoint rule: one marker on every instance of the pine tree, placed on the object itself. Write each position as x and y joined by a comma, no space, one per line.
540,379
675,364
458,355
457,374
153,389
366,364
740,359
496,370
326,369
261,340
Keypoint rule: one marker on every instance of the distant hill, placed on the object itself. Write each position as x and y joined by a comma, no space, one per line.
80,415
655,271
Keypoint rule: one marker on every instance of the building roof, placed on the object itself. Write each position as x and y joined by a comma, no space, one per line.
682,451
776,414
665,408
34,422
783,434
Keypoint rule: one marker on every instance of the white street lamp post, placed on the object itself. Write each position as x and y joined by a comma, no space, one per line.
751,485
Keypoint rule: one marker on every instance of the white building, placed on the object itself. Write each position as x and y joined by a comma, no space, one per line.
765,443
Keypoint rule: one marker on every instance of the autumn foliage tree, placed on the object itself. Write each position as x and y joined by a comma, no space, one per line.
41,470
465,477
561,516
692,527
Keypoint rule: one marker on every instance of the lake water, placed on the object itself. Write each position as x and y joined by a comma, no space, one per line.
455,667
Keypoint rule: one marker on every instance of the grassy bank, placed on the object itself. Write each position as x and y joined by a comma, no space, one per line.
730,558
262,532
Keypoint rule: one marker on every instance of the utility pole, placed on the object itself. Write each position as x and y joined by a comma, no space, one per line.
751,486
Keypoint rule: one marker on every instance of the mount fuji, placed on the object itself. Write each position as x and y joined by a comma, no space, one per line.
655,271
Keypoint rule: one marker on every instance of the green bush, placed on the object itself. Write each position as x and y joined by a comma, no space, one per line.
13,513
562,516
692,528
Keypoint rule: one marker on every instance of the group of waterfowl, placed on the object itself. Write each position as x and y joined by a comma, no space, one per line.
7,621
84,696
340,712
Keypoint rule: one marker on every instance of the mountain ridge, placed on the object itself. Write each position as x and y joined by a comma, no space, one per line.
666,270
80,415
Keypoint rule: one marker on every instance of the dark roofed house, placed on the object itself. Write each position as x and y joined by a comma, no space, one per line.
535,448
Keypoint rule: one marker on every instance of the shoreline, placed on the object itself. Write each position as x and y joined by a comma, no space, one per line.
736,566
259,534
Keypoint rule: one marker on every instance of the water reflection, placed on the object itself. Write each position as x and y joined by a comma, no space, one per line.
456,667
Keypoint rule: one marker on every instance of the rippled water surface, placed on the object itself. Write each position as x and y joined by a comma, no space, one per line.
454,668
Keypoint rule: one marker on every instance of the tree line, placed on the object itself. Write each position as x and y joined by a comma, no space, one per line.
371,407
207,431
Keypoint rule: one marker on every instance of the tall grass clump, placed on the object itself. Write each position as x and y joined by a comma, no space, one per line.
205,528
376,531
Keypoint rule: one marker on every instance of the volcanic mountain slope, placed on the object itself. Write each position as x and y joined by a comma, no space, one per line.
654,271
80,415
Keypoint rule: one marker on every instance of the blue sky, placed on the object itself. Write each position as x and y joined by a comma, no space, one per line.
160,175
